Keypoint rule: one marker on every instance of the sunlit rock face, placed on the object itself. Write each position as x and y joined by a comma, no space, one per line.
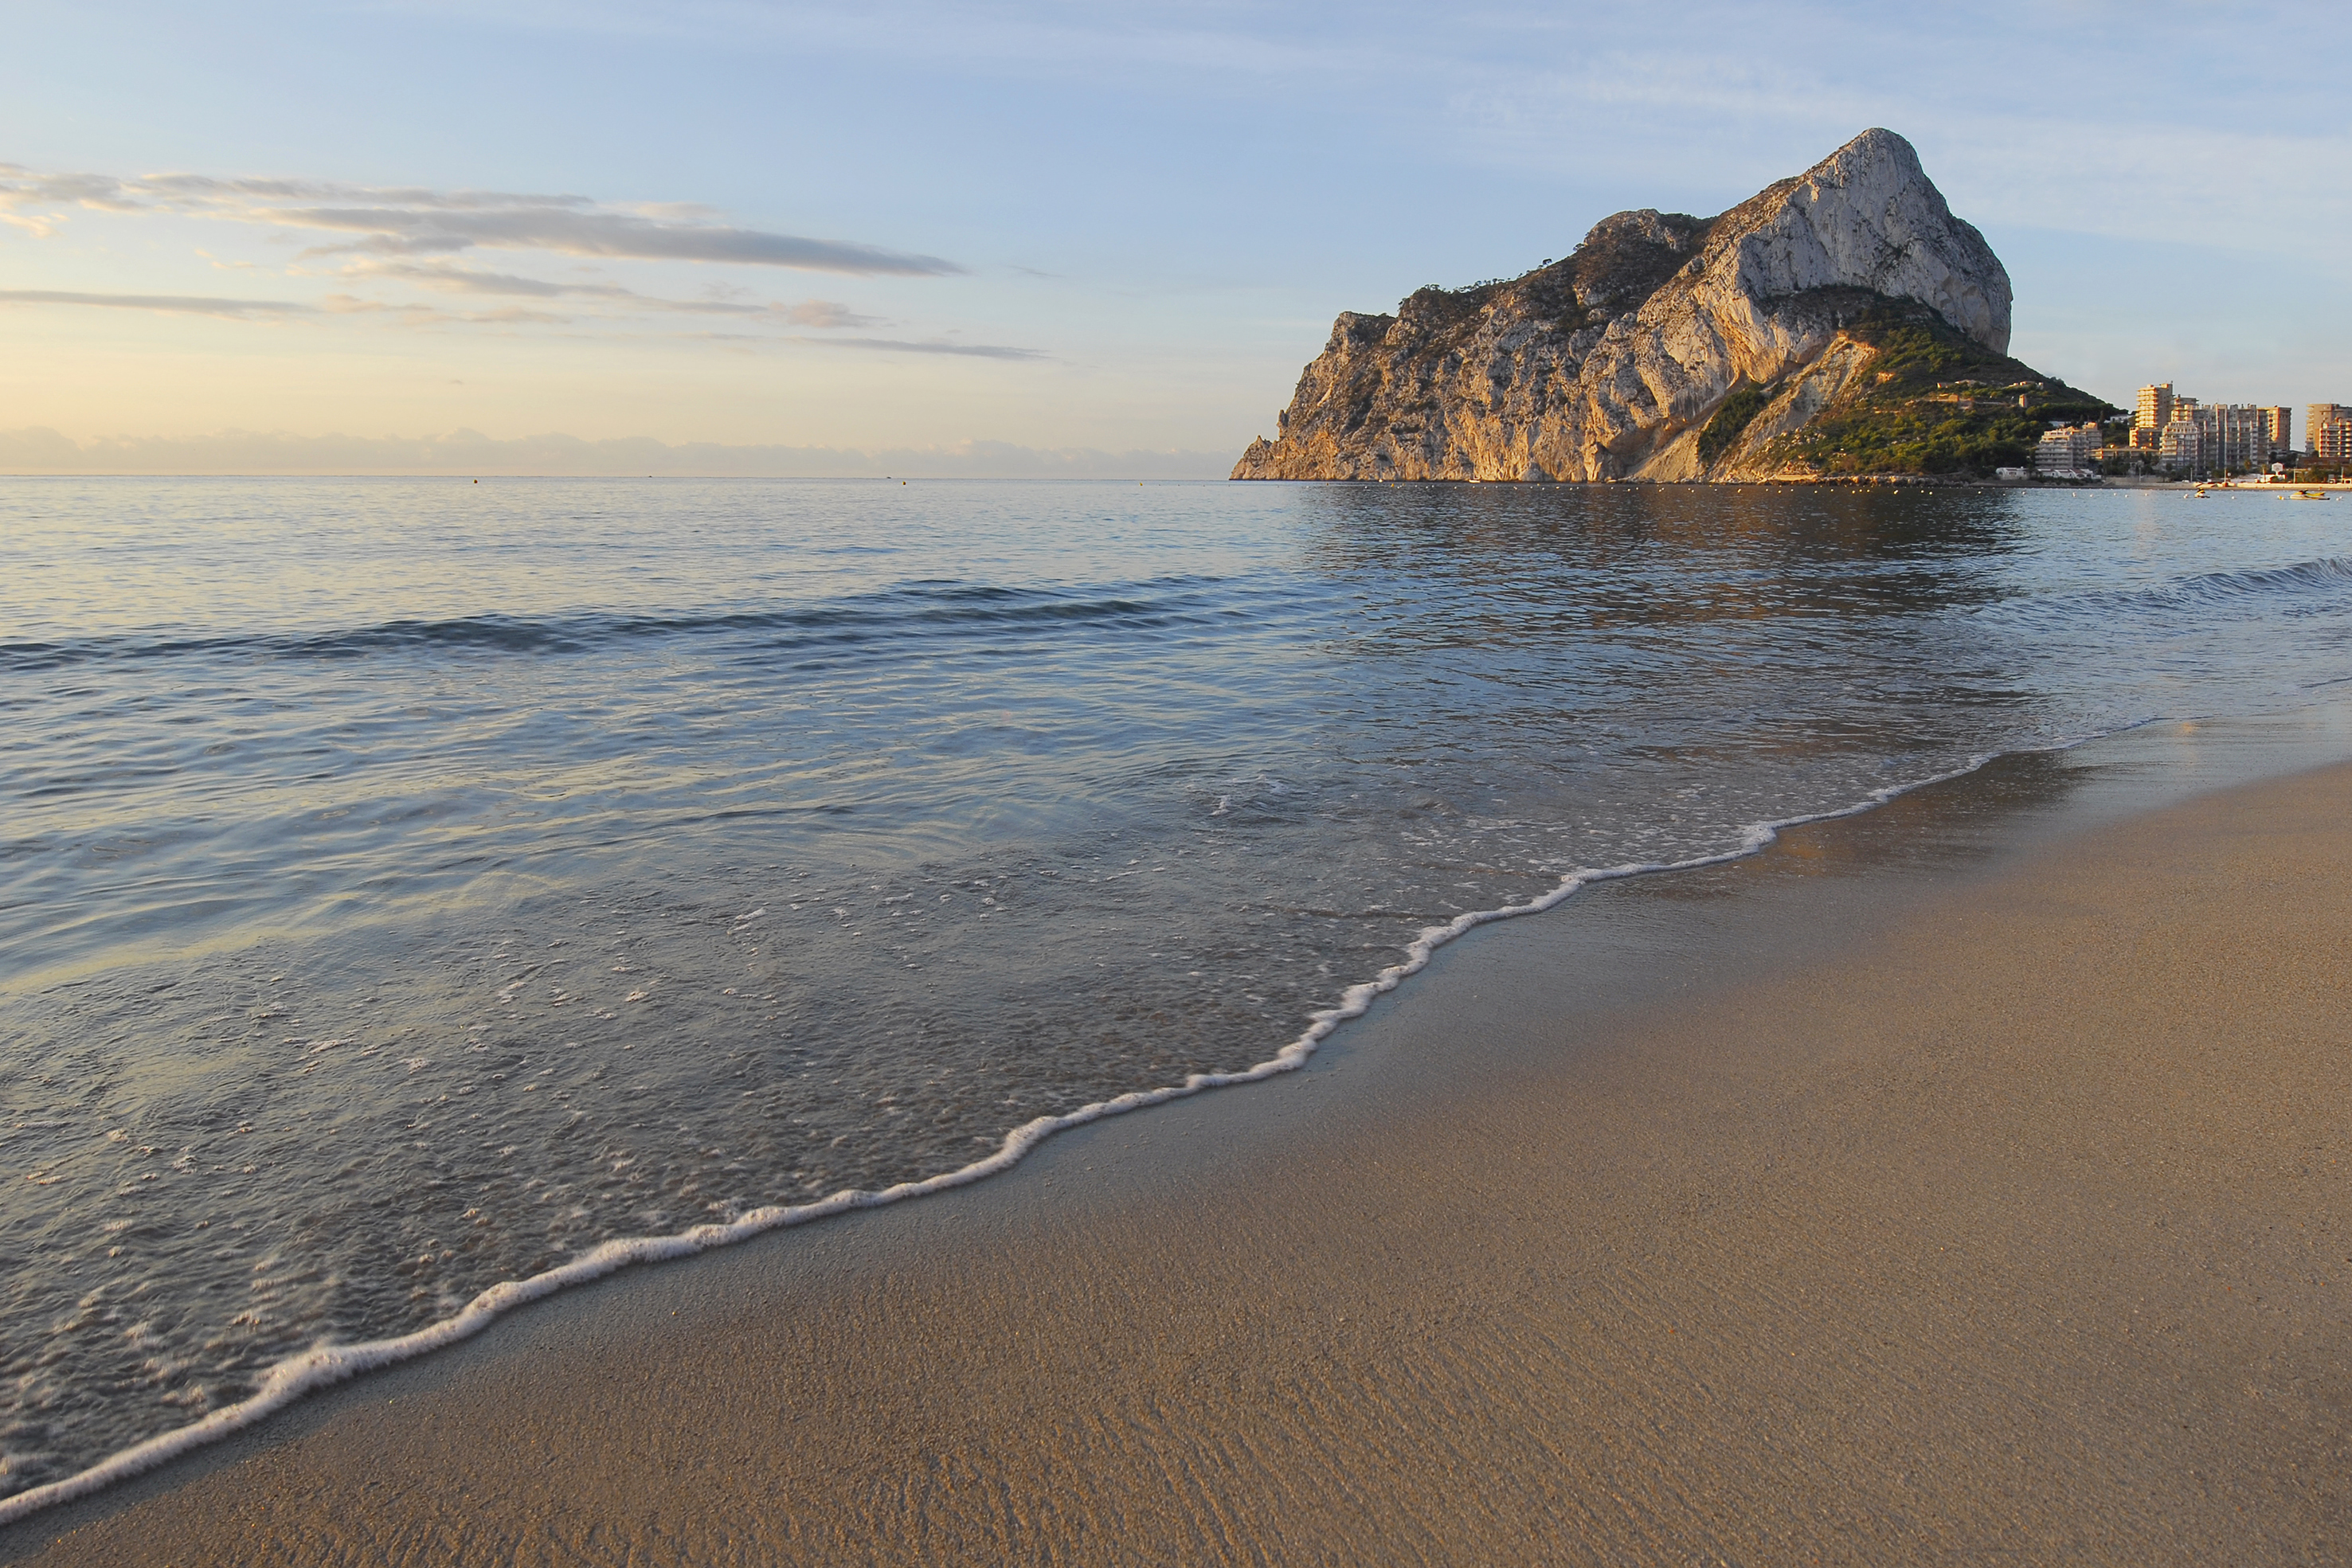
1606,365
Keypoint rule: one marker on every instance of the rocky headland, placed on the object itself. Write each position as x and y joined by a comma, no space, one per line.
1843,322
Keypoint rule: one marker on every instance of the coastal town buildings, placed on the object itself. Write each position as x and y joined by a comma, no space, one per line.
2332,442
2180,446
2068,452
2190,437
2278,429
2241,432
2327,427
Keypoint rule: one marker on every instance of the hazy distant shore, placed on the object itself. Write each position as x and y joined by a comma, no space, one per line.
1955,1180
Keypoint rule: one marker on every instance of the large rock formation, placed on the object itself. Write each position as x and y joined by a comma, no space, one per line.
1611,364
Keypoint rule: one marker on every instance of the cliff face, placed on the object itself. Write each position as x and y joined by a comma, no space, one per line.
1611,364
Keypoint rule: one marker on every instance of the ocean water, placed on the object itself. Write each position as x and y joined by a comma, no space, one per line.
409,886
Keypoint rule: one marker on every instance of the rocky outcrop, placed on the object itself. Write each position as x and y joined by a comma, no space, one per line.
1609,364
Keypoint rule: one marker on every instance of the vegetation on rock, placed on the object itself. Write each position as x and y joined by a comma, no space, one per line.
1732,420
1936,402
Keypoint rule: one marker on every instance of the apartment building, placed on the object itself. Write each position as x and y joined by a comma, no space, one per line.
2226,437
2180,446
2278,429
2332,441
2155,411
2242,432
2068,452
2327,427
2220,438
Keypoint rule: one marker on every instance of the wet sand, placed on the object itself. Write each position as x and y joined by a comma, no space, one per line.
1955,1183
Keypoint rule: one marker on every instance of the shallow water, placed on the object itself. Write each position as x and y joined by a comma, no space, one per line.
404,886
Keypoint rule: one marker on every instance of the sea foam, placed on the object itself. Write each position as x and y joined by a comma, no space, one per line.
327,1364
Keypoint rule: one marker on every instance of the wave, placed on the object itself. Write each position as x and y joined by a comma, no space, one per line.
326,1365
923,610
914,609
2326,575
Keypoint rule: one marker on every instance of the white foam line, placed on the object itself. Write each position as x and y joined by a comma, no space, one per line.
324,1365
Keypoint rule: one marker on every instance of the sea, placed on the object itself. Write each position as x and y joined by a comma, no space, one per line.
417,894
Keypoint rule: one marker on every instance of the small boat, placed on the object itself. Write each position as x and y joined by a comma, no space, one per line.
2310,494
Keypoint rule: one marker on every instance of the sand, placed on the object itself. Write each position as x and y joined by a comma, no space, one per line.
1933,1188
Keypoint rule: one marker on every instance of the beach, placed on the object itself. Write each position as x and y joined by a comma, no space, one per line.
705,858
1965,1180
487,912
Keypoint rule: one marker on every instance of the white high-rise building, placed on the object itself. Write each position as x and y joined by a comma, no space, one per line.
2218,438
2069,452
2182,446
2240,434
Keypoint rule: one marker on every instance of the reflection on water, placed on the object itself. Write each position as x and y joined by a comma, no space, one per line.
406,885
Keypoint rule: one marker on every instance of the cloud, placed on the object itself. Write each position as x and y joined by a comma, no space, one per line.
894,346
412,237
826,313
470,453
179,304
448,278
410,221
820,313
416,315
429,231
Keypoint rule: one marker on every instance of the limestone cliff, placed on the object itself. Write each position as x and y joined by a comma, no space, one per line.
1614,364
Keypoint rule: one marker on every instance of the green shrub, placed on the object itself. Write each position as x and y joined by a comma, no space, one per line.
1737,413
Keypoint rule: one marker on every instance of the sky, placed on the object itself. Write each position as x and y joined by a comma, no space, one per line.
929,237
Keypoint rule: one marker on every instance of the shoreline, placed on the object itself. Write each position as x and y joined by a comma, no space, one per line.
286,1383
1906,851
323,1368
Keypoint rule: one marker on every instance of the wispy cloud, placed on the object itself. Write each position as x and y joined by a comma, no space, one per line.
407,238
429,231
827,313
395,221
449,278
818,313
416,315
896,345
178,304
